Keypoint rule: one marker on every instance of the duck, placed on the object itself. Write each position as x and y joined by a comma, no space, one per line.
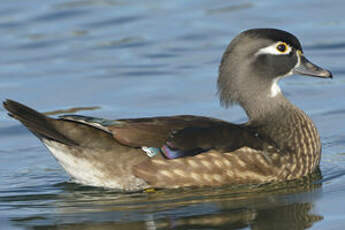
278,143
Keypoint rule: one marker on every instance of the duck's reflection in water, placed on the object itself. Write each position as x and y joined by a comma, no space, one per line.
280,206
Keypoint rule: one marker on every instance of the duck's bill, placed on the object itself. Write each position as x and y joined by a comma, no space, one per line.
305,67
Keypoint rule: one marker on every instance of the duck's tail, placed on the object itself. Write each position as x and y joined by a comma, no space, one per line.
68,132
39,124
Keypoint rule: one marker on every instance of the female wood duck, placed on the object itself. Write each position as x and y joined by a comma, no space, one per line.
278,143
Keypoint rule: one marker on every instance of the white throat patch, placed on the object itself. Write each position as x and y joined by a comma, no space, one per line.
275,89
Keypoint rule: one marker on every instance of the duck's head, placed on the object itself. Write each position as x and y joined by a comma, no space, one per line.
254,62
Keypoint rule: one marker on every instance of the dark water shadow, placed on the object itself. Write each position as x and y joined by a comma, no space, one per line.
114,21
333,112
331,175
40,44
13,130
60,15
232,8
275,206
122,43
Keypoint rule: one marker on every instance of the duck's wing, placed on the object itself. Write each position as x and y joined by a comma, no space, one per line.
221,137
154,132
151,132
175,136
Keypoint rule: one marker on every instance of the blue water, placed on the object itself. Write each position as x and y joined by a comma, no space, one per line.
145,58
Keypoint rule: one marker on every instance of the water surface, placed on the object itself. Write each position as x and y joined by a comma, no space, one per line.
121,59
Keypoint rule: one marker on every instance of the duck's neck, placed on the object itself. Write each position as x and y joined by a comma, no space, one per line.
288,128
265,103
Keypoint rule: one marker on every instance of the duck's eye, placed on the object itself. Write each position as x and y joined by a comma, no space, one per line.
282,47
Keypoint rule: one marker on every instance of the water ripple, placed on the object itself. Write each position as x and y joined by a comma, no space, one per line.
60,15
326,46
114,21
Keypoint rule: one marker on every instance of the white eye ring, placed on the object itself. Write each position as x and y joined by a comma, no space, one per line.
273,50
